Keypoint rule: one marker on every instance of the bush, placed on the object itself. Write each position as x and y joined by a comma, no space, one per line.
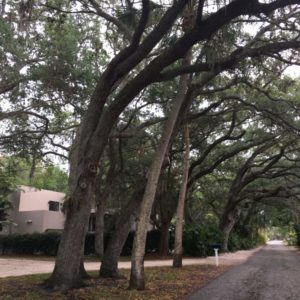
238,241
36,243
198,240
152,243
47,243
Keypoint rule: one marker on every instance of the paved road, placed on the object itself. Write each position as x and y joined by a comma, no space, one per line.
18,266
272,273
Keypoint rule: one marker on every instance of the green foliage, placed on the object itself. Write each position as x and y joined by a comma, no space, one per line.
198,240
239,242
7,186
297,235
51,178
36,243
47,243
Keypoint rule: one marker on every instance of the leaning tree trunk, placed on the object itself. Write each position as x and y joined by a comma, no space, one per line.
177,259
137,280
69,270
101,198
229,219
109,265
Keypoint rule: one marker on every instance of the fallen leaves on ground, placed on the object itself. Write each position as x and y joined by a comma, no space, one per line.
164,283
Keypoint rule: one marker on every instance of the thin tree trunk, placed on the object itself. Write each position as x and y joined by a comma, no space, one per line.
109,266
177,259
99,228
164,238
101,199
137,280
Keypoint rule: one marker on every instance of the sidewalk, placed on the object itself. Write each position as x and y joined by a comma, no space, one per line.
19,267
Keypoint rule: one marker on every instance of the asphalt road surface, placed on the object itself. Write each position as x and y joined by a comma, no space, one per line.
272,273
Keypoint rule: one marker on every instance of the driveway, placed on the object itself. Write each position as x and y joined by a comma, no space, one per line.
18,267
273,273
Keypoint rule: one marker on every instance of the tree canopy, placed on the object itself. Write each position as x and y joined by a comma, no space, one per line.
108,86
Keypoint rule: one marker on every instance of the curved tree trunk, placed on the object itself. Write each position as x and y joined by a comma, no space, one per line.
177,259
69,267
229,219
137,280
109,266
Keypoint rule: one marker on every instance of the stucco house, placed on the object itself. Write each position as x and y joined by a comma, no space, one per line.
35,210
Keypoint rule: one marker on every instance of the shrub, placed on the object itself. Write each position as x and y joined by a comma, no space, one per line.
239,241
198,240
36,243
47,243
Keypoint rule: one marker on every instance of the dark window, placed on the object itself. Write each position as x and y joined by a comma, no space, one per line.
1,228
53,206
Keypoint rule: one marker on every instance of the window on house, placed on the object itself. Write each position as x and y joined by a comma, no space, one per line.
1,228
53,205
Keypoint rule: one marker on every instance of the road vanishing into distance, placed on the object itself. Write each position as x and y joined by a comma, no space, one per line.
273,273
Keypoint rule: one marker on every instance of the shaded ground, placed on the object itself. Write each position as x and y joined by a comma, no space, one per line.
18,267
163,283
273,273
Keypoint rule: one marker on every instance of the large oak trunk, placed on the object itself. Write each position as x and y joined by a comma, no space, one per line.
68,271
228,221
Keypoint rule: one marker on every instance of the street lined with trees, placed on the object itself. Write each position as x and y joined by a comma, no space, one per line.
180,114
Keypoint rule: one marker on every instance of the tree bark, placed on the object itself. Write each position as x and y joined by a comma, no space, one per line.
99,228
164,238
69,267
177,259
101,199
137,280
228,221
109,266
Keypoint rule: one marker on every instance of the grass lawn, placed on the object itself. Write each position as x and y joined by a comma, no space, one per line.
163,283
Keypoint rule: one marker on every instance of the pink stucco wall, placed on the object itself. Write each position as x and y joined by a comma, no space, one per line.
33,199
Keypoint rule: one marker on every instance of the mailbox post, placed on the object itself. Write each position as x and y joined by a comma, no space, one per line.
217,256
216,248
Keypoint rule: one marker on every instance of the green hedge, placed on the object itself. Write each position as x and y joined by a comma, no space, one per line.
197,241
47,243
36,243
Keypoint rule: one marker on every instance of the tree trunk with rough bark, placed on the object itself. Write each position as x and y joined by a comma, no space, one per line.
109,266
101,197
69,269
137,280
99,228
177,259
164,237
228,221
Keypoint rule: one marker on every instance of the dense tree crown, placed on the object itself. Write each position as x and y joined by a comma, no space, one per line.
149,102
